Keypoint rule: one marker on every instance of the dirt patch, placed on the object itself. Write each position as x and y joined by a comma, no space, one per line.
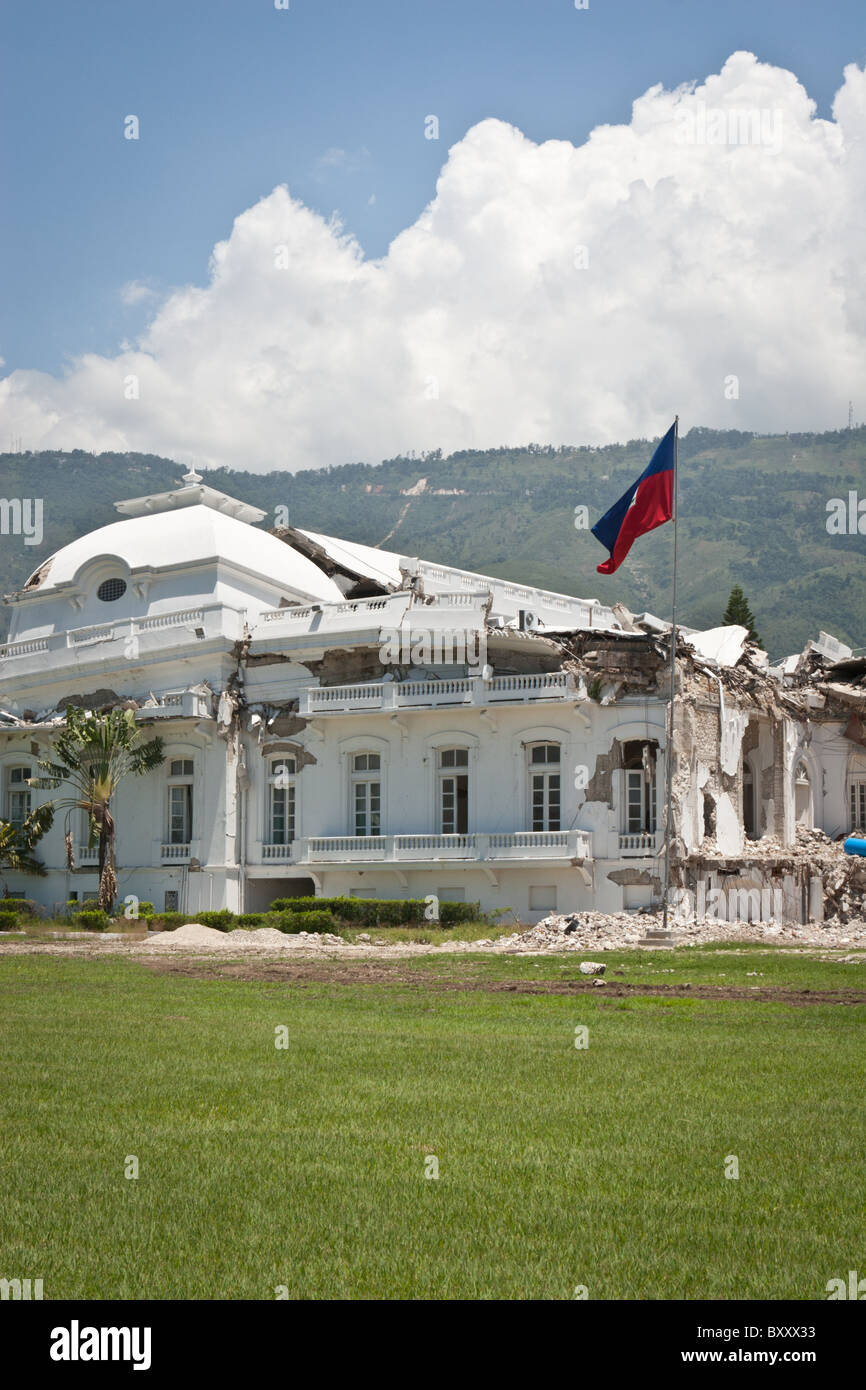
373,973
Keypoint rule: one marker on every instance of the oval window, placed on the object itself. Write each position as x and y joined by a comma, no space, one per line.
111,589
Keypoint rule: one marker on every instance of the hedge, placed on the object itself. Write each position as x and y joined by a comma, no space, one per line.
222,920
304,921
91,921
381,912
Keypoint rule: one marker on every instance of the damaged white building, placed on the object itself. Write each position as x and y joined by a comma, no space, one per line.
338,719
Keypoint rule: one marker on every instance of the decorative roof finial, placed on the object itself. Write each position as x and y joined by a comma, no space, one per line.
192,478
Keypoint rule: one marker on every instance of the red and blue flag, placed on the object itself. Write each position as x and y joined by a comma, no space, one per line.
647,504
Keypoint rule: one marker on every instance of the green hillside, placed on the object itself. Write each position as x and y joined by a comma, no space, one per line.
752,511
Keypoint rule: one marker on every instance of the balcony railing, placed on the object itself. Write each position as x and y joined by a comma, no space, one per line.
70,645
277,852
421,848
641,843
86,854
459,690
174,853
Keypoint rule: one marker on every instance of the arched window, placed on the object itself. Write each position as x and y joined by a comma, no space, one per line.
366,790
282,800
453,790
180,800
545,786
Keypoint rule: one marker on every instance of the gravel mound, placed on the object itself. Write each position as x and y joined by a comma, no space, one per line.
194,936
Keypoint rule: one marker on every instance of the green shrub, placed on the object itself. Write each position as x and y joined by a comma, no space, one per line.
252,919
145,909
24,906
295,904
97,920
222,920
168,921
9,922
303,921
451,914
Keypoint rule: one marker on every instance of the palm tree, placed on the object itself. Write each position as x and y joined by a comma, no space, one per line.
95,752
17,842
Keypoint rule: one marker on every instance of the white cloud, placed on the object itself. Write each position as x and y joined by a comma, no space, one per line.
347,161
549,293
134,292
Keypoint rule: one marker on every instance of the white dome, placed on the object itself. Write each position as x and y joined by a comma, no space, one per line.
166,539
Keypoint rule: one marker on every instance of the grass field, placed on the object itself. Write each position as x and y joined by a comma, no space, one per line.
559,1166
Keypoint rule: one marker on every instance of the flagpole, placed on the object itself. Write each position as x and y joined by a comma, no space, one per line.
669,751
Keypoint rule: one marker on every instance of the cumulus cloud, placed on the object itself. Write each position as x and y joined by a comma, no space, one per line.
703,259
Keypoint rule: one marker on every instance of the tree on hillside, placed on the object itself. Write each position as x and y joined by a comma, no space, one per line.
94,753
738,612
17,843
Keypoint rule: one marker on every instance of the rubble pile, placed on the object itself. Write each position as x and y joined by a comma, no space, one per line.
844,876
600,931
845,892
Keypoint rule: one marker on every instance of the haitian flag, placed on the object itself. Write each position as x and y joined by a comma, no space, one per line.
647,504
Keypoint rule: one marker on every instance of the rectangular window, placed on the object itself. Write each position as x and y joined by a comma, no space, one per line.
453,791
454,805
170,900
858,803
545,787
546,801
282,814
366,794
542,898
180,814
368,806
18,796
181,767
640,802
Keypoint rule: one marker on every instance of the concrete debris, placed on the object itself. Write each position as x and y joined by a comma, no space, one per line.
721,645
599,931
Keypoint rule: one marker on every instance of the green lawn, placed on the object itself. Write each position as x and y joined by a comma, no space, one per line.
305,1167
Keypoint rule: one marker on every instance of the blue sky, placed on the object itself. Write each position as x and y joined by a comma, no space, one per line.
235,97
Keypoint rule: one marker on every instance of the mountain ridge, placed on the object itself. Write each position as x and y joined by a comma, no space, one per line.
753,511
